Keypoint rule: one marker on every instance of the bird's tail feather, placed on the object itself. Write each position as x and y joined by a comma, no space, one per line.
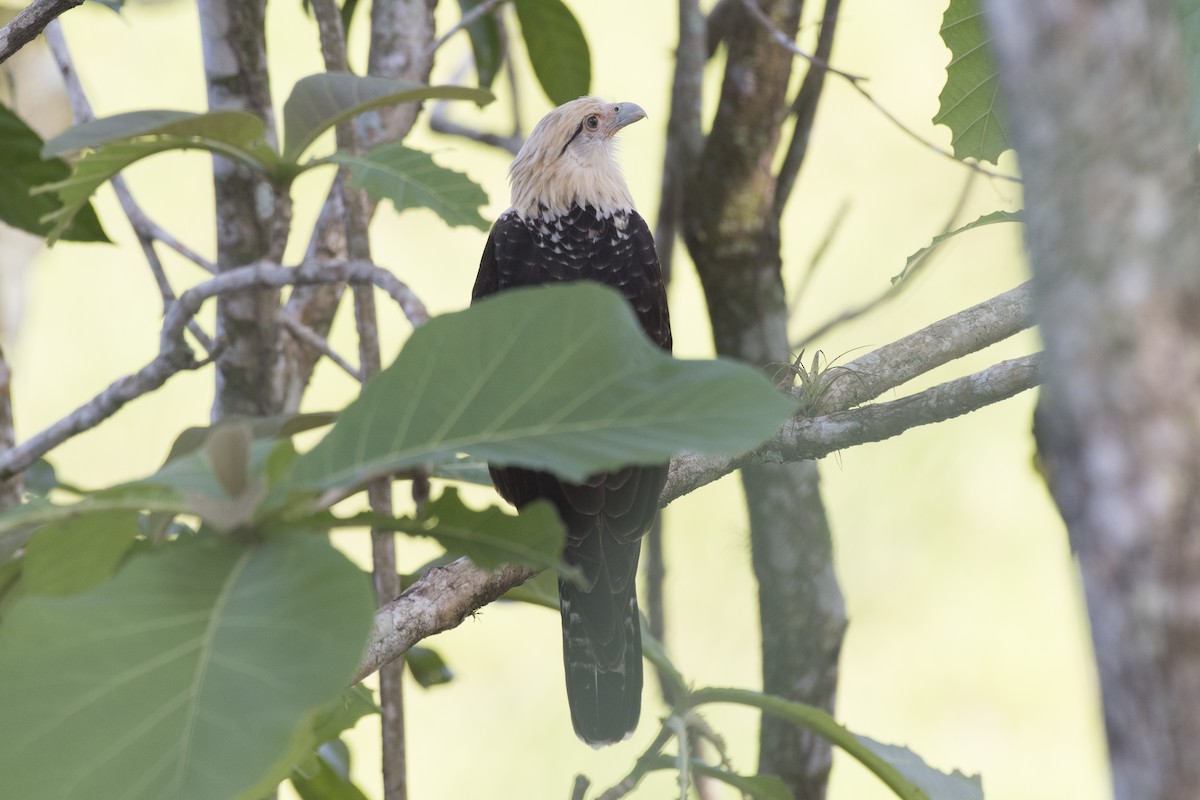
602,656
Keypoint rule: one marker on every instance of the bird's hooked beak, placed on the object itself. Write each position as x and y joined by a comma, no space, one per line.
627,114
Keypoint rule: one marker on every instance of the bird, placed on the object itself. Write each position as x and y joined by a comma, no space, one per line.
573,218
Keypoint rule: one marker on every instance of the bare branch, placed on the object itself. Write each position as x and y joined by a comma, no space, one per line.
146,230
808,438
441,599
902,282
309,337
468,19
804,107
25,27
174,355
968,331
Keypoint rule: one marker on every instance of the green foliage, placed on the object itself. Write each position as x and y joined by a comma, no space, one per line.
316,104
21,169
970,101
489,537
319,102
185,676
559,378
411,179
427,667
902,771
77,553
485,44
558,50
116,142
919,256
326,776
935,784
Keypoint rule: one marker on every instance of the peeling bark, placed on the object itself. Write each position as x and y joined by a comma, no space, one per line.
249,212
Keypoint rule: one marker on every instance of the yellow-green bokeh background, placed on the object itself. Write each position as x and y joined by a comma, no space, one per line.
967,638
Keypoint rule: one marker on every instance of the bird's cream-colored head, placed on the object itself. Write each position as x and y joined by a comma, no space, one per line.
568,159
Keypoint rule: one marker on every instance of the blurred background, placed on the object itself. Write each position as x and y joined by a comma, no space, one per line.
967,641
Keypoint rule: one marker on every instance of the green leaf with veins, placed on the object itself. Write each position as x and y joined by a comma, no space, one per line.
21,169
411,179
970,103
941,238
489,537
114,143
486,45
192,674
559,378
557,48
319,102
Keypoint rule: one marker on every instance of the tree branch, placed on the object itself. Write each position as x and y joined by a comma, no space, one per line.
144,228
175,356
25,27
442,598
356,215
807,438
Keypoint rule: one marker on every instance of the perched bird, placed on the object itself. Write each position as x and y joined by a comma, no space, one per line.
573,219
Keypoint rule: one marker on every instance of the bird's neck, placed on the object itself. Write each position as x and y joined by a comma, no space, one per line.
559,184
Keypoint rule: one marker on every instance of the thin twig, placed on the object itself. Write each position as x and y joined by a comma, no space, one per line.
893,290
143,227
804,108
356,218
856,82
468,19
646,762
440,122
309,337
25,27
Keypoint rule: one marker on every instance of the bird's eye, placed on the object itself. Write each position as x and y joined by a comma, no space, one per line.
592,122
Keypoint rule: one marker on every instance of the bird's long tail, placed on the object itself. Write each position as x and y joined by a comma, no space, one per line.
602,654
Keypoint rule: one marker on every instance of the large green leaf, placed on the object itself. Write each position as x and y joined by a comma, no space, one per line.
560,378
116,142
319,102
191,675
485,43
21,169
970,101
902,771
488,537
557,49
411,179
229,128
941,238
78,552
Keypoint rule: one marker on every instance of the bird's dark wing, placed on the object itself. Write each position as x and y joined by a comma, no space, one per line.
607,514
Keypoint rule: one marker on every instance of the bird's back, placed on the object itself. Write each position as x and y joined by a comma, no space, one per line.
607,514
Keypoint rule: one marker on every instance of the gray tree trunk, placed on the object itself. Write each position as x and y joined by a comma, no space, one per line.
1098,104
731,225
249,379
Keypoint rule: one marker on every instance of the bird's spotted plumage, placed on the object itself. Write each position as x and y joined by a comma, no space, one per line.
572,219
